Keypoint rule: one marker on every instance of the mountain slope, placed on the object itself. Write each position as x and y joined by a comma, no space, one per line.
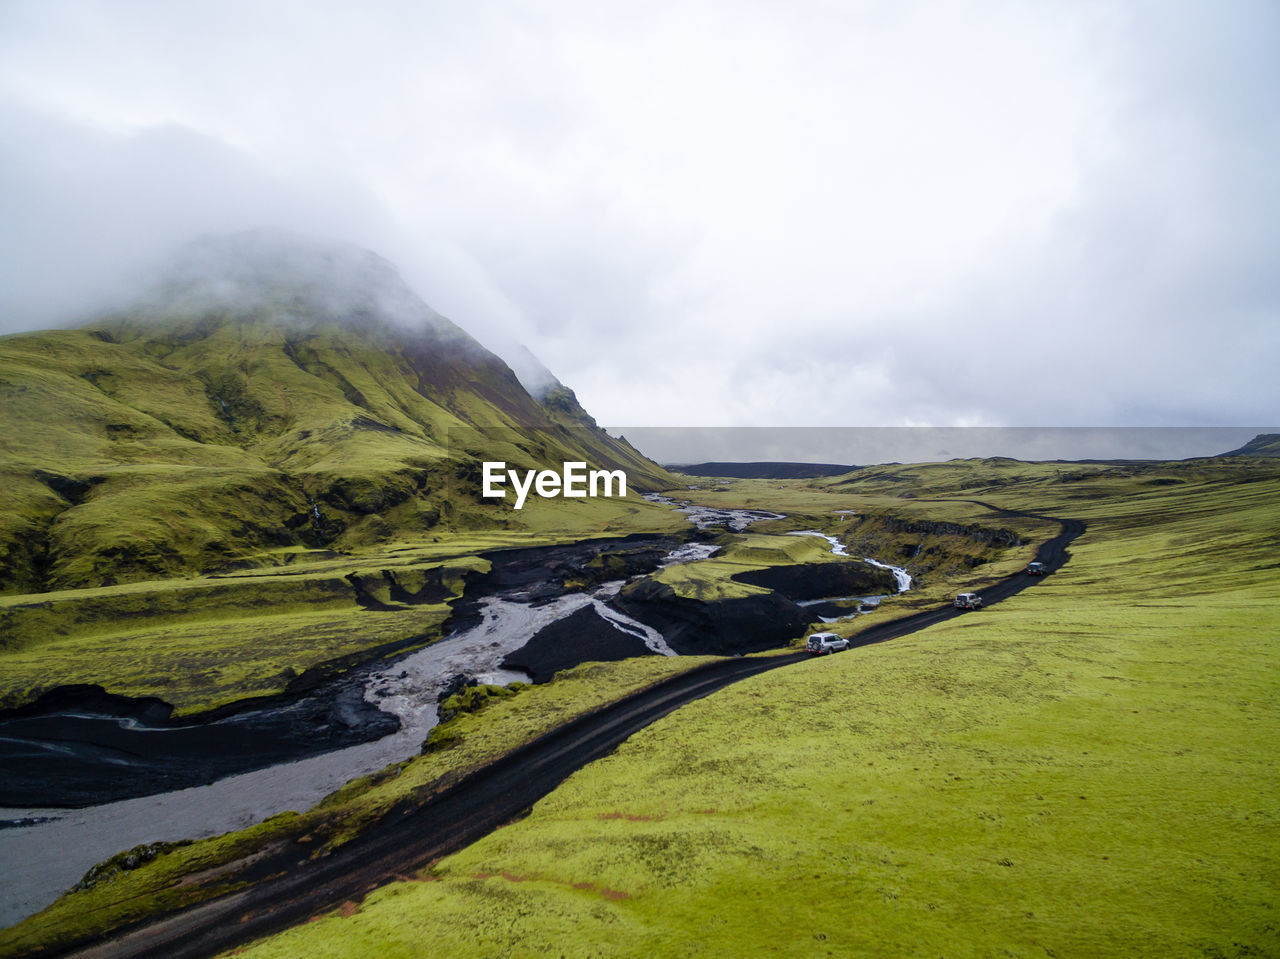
268,392
1264,444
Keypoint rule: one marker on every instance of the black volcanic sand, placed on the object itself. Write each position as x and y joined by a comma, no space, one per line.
820,580
583,636
727,627
80,746
545,572
840,608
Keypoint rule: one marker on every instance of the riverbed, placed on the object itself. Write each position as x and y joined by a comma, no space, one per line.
53,848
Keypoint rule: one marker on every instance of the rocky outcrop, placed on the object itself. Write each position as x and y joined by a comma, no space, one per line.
725,627
104,759
581,637
549,571
818,580
393,589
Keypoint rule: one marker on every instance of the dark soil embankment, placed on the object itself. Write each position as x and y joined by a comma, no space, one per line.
544,572
819,580
726,627
582,636
80,746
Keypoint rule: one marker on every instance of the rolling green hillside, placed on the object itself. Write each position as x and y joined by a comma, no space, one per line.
1087,769
266,394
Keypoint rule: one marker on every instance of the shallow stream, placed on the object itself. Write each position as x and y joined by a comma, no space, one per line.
54,848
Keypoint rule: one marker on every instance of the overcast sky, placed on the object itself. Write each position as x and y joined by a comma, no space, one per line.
704,213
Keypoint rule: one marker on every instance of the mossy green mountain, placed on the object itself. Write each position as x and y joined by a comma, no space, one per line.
267,393
1264,444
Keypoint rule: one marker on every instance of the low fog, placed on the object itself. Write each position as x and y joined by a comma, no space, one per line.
871,445
704,214
302,281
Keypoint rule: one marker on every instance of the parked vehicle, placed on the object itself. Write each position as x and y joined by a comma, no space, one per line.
822,643
1037,569
968,601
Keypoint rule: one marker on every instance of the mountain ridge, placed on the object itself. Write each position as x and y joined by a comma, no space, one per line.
761,469
1264,444
239,406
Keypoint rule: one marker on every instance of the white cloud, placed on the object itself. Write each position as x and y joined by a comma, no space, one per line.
746,213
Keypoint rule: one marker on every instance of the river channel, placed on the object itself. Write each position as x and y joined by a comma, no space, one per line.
46,851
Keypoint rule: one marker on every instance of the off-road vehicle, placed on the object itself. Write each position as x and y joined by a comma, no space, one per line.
822,643
1037,569
968,601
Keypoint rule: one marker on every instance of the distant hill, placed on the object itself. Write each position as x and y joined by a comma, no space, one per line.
267,392
763,470
1264,444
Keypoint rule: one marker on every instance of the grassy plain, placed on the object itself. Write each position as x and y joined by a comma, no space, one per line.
1087,769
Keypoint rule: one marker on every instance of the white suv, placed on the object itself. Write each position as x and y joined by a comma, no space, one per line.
822,643
968,601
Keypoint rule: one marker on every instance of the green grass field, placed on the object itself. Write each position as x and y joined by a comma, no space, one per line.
1086,769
